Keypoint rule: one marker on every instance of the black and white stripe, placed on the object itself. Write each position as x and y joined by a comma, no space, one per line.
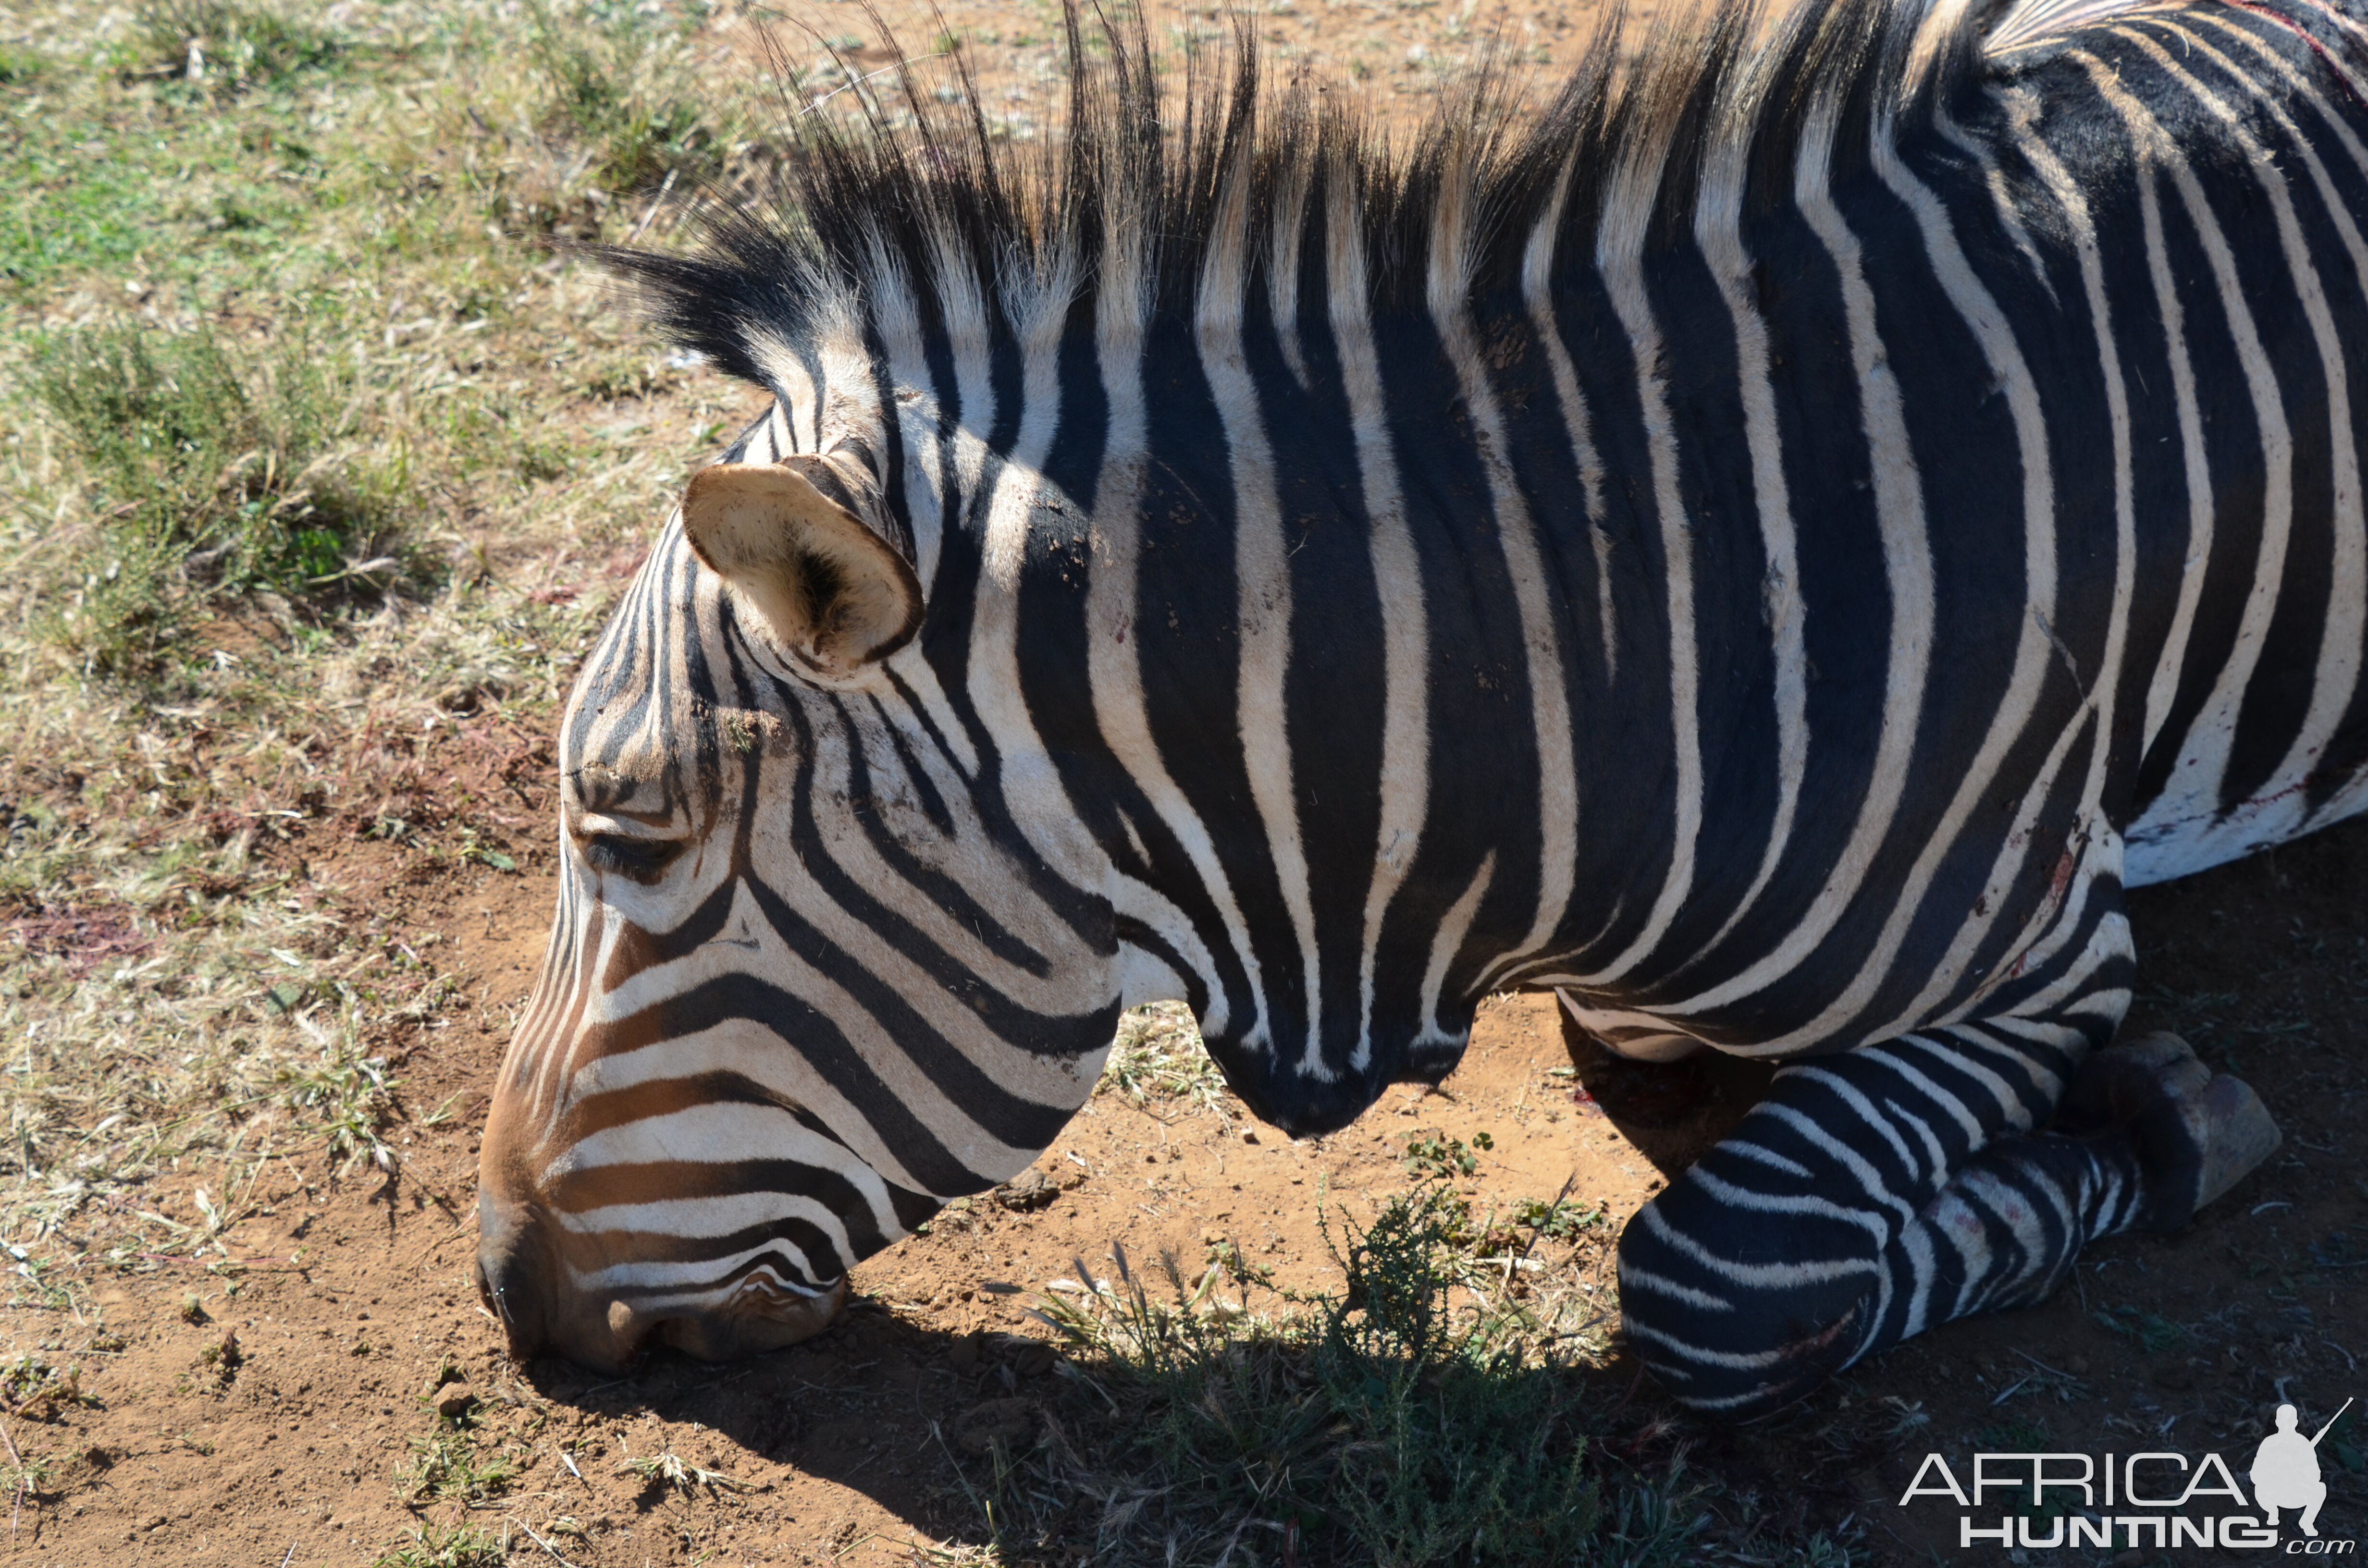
1769,548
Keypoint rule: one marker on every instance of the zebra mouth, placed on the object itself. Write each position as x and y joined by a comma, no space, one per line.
758,1317
543,1309
617,1335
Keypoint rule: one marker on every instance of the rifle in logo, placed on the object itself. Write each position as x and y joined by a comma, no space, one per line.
2285,1471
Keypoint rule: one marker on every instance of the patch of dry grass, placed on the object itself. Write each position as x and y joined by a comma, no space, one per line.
321,469
1158,1059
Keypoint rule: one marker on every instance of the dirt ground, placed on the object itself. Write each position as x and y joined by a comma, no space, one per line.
353,1313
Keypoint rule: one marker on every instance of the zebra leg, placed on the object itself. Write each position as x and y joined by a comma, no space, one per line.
1874,1195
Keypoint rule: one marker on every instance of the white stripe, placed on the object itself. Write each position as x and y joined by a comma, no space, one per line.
1537,295
1445,943
1113,658
1449,294
919,415
2284,810
1262,587
1404,782
1619,258
2191,800
1718,219
1907,568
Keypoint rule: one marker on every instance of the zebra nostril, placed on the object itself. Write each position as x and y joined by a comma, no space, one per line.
511,1266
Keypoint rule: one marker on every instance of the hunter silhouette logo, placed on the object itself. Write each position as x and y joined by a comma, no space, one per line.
2285,1471
2154,1500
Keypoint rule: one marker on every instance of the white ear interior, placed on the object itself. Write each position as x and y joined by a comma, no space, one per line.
833,596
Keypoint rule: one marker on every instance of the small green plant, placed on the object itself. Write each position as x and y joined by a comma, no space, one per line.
23,1476
1225,1256
224,1358
348,1096
446,1466
472,848
2152,1333
31,1387
669,1469
1398,1421
1559,1218
434,1546
1431,1153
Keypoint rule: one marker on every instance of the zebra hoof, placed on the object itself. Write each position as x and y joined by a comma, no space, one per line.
2196,1132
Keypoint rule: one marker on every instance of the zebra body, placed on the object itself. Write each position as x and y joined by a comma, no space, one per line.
1770,552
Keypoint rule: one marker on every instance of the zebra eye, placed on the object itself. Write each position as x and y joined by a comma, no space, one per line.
642,859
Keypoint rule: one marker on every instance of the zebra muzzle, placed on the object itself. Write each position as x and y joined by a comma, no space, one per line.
514,1274
529,1287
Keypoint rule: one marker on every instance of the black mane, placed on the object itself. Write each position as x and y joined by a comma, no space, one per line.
1626,136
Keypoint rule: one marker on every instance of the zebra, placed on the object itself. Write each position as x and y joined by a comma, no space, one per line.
1769,547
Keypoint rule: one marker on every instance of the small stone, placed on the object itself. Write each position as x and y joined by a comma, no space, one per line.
454,1400
1027,1190
1249,1135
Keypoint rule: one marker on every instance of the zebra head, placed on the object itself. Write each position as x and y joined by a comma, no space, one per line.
812,974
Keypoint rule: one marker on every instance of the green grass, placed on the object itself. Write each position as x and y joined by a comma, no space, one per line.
2149,1332
445,1467
437,1546
145,179
220,472
1425,1414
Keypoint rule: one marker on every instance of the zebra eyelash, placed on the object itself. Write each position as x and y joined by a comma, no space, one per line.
637,859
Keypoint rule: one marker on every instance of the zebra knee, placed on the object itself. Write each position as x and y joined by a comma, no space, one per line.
1738,1331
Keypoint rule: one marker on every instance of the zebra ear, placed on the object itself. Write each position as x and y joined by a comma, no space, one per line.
832,595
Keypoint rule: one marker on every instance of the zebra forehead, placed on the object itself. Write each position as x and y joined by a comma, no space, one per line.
1168,189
